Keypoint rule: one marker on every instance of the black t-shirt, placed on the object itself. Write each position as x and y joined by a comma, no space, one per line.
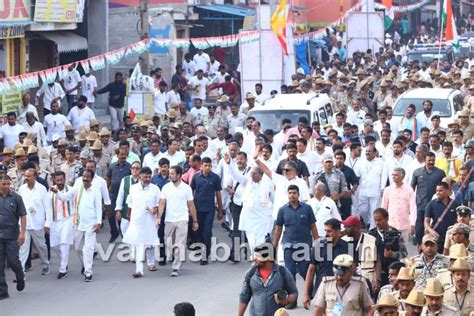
434,210
301,167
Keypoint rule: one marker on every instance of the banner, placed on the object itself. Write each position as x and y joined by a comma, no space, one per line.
15,12
56,11
12,31
10,102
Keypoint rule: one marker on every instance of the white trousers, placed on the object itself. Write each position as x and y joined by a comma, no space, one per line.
84,242
254,240
37,236
367,206
123,228
143,251
116,114
62,251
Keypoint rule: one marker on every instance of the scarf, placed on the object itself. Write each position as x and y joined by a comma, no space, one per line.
66,211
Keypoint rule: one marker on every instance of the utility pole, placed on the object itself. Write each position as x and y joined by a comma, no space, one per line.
145,33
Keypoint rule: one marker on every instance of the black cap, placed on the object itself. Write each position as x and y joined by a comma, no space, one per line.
463,210
123,129
435,117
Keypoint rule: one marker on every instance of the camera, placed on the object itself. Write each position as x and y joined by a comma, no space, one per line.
281,294
391,238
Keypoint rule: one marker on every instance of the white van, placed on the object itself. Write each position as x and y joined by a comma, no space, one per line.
446,102
313,106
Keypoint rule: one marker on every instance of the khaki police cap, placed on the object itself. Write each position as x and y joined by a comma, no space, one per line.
460,265
433,288
415,298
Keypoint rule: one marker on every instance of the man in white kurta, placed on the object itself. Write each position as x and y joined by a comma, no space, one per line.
142,232
35,197
257,207
61,232
87,219
324,207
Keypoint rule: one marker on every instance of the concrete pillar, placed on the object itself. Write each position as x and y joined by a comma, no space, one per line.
98,38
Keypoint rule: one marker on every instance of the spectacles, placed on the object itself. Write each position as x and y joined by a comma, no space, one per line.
288,169
135,168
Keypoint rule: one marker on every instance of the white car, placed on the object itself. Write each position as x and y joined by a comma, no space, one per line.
446,102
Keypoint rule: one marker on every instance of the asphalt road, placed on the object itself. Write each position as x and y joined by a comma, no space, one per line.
212,289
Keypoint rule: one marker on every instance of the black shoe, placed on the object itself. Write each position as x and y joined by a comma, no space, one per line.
291,306
20,285
4,297
112,239
226,226
232,258
88,278
203,262
82,271
62,275
95,255
162,263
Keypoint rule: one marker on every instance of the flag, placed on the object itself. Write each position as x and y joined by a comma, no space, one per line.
132,114
388,13
447,20
278,23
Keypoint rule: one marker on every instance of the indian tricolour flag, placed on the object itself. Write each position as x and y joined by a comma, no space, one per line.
447,20
388,13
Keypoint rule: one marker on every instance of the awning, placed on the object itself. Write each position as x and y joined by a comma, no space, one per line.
228,9
67,42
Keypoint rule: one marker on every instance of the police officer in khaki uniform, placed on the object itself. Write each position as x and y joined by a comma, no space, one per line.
45,171
461,294
463,217
405,284
60,157
465,125
387,305
434,295
455,252
16,174
429,262
7,155
70,139
102,160
413,304
342,294
108,146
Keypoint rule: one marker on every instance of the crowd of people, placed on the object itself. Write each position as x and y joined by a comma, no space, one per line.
335,203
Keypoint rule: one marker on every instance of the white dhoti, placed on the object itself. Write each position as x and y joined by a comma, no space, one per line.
61,237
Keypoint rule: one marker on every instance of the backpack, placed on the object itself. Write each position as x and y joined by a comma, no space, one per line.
253,269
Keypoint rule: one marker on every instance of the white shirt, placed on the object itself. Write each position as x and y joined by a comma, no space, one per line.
200,87
143,197
121,193
214,69
100,185
202,62
219,78
89,84
10,134
235,121
177,198
370,175
424,121
173,97
260,98
55,124
411,167
356,118
391,163
88,212
281,191
37,205
383,150
237,183
72,79
200,114
459,151
50,93
151,161
177,158
189,69
80,117
38,129
21,118
161,102
323,210
310,158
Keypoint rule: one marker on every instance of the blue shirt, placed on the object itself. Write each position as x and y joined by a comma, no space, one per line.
159,181
322,257
205,188
297,222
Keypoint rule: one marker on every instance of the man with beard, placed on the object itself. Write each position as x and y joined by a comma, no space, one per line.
405,284
413,304
434,295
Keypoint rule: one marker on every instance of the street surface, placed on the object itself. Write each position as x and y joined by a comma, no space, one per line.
213,289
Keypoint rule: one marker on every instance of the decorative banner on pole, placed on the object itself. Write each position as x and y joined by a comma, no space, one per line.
138,47
63,72
200,43
249,37
115,56
48,75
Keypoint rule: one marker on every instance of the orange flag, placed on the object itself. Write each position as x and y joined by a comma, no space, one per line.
132,115
278,23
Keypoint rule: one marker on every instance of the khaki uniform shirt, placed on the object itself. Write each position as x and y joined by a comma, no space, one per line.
448,242
68,169
103,163
109,148
367,255
134,147
43,154
389,101
58,160
462,303
468,132
17,177
446,310
425,271
72,142
354,298
379,98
